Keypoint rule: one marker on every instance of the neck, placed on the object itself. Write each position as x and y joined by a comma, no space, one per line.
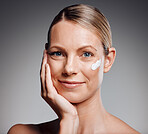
91,113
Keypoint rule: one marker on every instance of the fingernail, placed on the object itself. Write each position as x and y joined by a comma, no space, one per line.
46,65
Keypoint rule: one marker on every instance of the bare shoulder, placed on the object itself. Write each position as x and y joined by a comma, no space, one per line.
51,127
119,126
24,129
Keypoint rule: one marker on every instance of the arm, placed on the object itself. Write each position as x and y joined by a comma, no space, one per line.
69,125
66,112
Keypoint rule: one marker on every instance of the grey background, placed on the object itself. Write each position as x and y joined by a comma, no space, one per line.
23,31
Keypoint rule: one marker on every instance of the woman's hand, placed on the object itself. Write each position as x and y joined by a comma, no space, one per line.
63,108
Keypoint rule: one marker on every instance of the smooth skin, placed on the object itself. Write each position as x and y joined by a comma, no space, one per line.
71,88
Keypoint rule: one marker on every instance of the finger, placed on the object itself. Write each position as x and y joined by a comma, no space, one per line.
48,82
43,59
42,72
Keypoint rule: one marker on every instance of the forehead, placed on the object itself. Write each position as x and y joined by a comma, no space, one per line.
70,33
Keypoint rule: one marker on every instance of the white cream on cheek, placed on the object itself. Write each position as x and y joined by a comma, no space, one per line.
94,66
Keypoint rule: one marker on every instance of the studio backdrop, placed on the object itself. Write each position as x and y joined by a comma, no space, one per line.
23,32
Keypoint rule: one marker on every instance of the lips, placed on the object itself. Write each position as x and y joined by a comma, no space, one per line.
70,84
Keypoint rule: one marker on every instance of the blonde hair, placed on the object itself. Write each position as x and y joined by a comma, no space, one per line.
90,18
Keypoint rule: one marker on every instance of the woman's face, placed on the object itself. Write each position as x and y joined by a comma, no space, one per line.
73,50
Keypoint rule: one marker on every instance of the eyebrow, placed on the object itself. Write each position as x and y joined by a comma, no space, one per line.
87,46
60,47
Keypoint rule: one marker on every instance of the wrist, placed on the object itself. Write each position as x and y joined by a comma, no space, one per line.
69,124
70,116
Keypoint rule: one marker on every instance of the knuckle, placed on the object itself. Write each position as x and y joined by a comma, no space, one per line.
50,96
43,95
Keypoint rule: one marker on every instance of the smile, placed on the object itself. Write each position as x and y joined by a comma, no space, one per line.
71,84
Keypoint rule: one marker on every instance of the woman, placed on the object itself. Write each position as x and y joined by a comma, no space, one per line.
79,51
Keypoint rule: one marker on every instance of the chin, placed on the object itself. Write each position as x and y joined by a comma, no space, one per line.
74,97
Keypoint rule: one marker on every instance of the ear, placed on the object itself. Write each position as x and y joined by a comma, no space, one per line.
109,59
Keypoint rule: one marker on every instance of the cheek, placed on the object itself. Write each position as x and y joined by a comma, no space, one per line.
94,77
55,67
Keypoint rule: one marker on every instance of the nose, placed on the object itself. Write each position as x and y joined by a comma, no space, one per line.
71,66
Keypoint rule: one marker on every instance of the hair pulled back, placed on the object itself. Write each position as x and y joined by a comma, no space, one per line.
88,17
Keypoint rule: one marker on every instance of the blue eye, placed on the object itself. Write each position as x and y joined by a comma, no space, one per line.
87,54
56,53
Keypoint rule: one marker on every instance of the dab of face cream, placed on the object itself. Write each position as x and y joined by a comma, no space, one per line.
96,65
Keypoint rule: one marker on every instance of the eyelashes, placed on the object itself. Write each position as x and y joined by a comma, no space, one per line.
87,54
57,53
